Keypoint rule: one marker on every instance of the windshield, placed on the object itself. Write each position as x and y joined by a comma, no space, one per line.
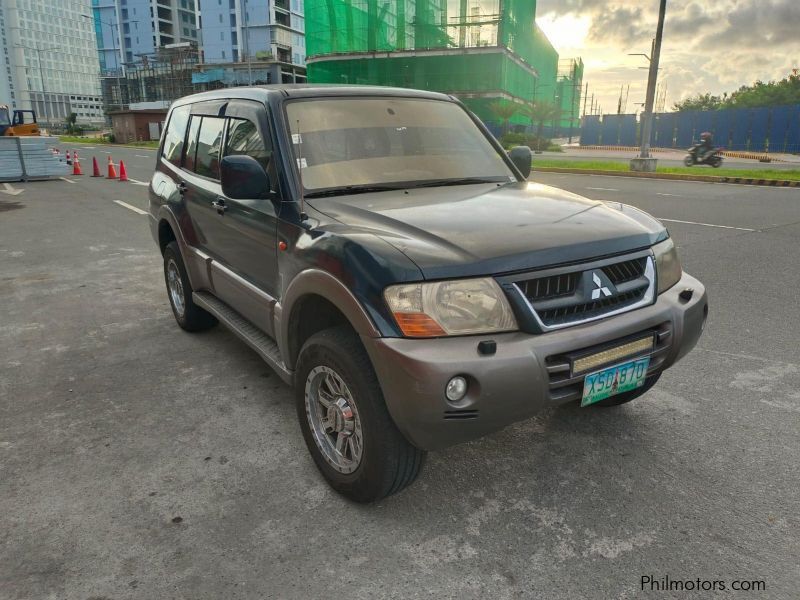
346,143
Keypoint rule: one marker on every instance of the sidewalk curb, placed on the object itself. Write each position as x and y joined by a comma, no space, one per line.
759,156
673,176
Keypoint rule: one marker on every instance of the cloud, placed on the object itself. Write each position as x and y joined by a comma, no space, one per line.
708,46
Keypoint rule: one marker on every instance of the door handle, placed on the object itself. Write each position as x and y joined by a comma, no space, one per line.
219,204
182,188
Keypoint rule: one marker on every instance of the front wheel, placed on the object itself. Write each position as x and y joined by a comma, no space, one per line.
345,422
716,162
688,160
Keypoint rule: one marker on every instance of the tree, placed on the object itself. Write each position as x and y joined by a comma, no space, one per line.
540,111
773,93
71,119
504,112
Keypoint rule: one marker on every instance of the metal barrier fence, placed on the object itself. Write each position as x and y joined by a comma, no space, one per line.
768,129
27,158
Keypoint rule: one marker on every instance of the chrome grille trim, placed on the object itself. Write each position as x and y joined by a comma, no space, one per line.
623,275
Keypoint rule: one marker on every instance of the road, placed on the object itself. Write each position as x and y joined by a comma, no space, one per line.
140,461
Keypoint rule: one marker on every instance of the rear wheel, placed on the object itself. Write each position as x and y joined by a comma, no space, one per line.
345,422
716,162
188,315
688,160
626,397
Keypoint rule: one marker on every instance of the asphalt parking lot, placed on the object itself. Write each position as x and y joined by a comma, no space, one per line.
140,461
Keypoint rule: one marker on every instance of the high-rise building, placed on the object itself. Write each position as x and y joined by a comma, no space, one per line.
265,37
50,53
129,29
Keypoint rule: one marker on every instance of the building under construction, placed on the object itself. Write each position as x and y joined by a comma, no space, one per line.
161,76
482,51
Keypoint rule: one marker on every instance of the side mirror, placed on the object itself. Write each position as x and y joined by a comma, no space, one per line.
521,157
243,178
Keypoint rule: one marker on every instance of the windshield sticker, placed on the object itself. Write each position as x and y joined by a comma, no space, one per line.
301,163
297,138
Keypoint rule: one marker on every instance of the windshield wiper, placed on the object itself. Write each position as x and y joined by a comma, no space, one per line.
459,181
353,189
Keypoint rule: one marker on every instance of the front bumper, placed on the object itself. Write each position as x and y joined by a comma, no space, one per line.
524,376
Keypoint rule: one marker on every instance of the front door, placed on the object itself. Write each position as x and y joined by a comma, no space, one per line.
240,234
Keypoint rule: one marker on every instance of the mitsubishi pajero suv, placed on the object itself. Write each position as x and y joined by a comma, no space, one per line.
384,255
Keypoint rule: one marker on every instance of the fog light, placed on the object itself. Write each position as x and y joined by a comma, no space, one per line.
456,389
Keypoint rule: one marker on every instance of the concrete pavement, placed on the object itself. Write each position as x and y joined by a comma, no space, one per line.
140,461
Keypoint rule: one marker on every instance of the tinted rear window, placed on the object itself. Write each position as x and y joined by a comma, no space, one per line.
175,134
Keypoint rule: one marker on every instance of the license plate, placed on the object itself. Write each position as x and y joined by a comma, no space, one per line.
614,380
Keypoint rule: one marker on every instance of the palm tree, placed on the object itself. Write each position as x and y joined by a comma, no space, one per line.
540,111
504,112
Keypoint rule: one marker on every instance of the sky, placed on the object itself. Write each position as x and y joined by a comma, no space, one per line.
709,46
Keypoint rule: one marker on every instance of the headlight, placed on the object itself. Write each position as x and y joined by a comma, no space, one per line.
668,265
450,308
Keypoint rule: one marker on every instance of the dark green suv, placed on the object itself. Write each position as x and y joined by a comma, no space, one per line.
388,258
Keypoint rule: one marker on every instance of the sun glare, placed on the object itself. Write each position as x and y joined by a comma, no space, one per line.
566,31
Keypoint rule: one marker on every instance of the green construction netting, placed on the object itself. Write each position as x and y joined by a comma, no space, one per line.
472,34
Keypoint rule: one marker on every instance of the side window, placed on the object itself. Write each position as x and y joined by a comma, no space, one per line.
191,143
209,146
244,138
174,136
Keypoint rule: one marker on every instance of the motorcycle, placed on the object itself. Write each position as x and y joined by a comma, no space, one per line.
712,158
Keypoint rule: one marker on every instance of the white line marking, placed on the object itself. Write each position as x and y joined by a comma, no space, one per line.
670,195
133,208
105,151
11,190
706,224
67,180
602,189
137,182
142,156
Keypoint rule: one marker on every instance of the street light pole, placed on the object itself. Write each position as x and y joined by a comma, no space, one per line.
644,162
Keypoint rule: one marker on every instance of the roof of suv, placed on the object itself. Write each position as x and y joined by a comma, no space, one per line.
299,90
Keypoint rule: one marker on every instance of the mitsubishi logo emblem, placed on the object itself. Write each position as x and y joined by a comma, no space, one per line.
599,288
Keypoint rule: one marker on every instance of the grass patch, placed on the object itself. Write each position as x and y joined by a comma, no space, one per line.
601,165
72,139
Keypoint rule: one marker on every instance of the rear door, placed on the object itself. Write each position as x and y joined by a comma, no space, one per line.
199,182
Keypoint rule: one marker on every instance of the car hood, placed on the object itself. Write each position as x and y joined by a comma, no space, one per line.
480,229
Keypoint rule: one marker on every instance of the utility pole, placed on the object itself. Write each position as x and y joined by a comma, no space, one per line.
585,98
644,162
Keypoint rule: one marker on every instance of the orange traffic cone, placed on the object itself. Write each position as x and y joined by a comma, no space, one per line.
95,168
76,166
123,174
69,160
112,172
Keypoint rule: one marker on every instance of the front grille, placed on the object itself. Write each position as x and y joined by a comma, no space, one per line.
546,288
589,292
587,310
565,387
627,270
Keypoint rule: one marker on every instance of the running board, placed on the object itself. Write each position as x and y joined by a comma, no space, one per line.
251,335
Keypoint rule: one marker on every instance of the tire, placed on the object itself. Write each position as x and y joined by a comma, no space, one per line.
688,161
378,462
716,163
626,397
188,315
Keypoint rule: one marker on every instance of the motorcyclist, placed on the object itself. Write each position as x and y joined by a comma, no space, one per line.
706,146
